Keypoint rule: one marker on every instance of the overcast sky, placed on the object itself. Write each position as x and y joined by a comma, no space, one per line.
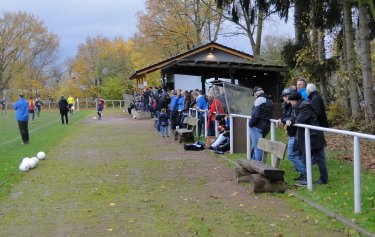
74,20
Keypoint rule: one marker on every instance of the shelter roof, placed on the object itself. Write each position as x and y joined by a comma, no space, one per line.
208,61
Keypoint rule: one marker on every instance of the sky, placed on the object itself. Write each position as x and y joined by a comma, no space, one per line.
75,20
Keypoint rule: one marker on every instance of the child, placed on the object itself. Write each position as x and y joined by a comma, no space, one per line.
163,117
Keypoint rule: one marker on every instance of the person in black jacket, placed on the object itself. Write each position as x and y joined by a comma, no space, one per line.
293,156
260,120
64,109
318,105
304,114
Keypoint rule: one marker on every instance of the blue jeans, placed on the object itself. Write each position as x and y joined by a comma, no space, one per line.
295,157
164,129
201,123
255,134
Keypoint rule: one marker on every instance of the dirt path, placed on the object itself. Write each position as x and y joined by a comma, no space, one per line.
118,177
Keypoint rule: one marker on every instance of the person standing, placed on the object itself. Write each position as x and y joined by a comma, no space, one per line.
295,157
31,108
3,104
202,106
304,114
301,87
318,105
71,104
260,120
38,105
163,118
215,107
64,109
22,116
101,105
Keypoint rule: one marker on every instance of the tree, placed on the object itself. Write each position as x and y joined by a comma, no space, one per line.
350,54
248,16
100,60
272,48
365,58
175,26
25,45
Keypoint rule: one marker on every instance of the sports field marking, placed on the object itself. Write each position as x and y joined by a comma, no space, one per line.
30,131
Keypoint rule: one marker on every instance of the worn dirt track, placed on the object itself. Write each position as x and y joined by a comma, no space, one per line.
118,177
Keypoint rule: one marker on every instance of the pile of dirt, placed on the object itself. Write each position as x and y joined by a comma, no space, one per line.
344,145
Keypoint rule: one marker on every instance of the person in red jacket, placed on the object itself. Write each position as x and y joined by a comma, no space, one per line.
31,108
216,107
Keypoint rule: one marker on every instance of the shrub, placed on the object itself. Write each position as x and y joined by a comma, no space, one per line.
337,114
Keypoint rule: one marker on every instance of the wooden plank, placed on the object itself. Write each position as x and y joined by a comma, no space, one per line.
273,147
273,174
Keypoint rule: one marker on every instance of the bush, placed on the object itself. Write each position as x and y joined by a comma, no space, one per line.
337,114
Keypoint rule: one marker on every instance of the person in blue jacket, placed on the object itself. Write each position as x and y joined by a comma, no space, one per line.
22,116
301,88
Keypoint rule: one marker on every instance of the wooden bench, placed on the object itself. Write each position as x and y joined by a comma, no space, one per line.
263,177
186,134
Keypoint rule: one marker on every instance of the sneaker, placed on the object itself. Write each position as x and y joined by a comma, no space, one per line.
211,148
301,183
219,152
299,178
320,182
24,143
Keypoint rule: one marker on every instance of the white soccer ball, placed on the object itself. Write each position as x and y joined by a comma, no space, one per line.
24,166
94,118
35,158
41,155
25,160
32,163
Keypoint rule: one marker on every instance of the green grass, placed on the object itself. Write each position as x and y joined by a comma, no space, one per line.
338,195
44,133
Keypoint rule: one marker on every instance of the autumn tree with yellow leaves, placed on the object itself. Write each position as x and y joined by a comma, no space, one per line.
27,48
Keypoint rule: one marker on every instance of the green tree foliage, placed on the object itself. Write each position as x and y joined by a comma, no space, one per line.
114,88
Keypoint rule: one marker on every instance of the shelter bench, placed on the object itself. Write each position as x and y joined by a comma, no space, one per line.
263,177
186,134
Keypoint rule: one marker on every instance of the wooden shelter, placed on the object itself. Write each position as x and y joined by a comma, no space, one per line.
216,61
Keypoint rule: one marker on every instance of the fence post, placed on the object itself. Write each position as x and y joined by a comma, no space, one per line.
205,123
357,175
248,140
87,105
231,133
308,159
273,131
196,128
49,104
77,104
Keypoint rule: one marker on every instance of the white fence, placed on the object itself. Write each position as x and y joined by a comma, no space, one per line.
356,152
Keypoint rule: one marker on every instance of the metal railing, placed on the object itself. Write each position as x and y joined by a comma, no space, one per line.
205,121
356,151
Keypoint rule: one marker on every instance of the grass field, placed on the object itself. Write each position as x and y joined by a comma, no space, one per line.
45,132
